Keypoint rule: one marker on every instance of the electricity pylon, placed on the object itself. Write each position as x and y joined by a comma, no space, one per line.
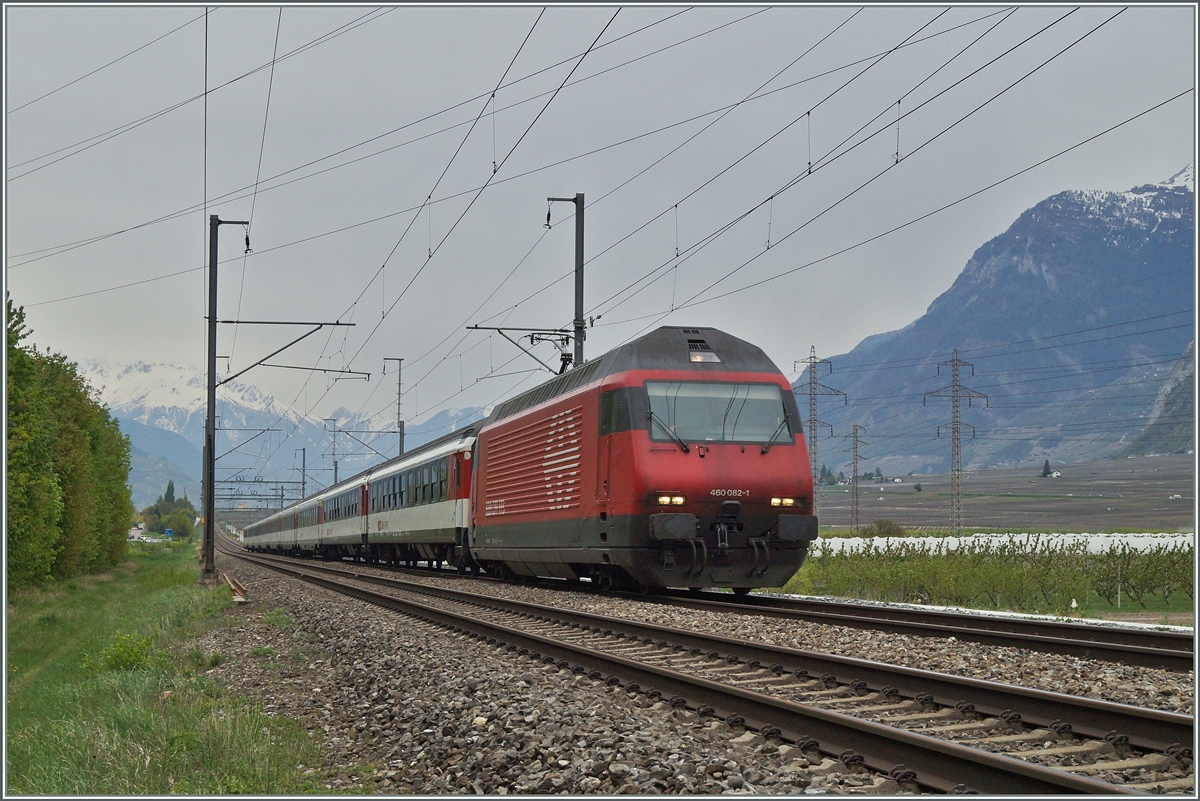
815,389
956,392
853,450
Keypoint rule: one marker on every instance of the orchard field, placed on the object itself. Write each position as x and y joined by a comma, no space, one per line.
1115,495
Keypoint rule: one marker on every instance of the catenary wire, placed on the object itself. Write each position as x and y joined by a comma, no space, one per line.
689,303
83,242
122,129
105,66
511,151
233,195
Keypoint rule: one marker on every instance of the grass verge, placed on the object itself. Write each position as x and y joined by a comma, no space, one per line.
106,697
1035,574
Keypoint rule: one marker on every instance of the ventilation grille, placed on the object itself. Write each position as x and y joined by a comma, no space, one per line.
698,344
690,330
551,389
535,467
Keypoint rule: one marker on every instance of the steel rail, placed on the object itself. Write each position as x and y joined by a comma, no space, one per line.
1155,649
1091,632
938,764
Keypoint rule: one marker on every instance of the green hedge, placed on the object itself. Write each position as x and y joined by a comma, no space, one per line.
68,463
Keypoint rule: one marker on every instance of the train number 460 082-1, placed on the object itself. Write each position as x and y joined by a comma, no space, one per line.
730,493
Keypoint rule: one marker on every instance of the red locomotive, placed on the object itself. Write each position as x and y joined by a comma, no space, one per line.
675,460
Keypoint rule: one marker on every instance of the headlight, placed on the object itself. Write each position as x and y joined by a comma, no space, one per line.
664,500
783,501
678,500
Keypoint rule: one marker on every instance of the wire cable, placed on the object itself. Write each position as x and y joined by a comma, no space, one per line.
485,186
234,194
257,174
101,138
105,66
913,221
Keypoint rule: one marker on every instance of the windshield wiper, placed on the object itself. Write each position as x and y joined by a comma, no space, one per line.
670,433
771,441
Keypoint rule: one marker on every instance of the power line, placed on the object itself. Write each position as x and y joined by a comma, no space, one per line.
956,392
911,222
105,66
65,247
855,442
511,151
815,389
257,174
83,242
905,363
485,186
1027,75
127,127
450,163
831,156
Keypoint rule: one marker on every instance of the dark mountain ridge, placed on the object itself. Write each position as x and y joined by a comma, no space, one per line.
1072,319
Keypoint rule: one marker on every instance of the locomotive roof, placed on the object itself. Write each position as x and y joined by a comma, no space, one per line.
671,348
666,348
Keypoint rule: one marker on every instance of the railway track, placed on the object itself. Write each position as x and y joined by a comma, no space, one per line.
931,730
1139,647
1168,650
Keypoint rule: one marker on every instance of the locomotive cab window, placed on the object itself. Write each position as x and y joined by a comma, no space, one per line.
717,412
614,411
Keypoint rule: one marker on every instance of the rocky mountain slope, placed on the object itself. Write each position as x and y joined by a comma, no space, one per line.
1071,321
1170,426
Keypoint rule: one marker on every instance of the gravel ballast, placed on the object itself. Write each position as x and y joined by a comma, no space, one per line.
1086,678
401,705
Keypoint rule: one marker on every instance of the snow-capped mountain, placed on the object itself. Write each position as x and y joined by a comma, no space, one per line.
1185,179
1072,319
171,396
162,405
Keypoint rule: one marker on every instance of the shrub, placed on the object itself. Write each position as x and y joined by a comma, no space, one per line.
884,528
127,652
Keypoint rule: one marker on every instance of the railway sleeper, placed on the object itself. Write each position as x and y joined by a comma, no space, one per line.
946,713
987,724
1156,762
725,670
1032,736
856,701
1079,749
764,681
1165,786
831,692
895,706
689,661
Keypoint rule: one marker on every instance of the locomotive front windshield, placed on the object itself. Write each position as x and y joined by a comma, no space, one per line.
709,412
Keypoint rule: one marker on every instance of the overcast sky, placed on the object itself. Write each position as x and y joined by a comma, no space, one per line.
372,143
